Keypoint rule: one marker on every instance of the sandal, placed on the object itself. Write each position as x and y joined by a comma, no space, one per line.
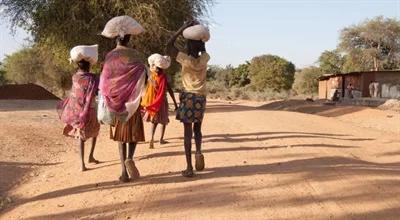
199,162
124,179
132,169
187,173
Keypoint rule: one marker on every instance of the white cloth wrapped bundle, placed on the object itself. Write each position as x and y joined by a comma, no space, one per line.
197,32
157,60
121,26
83,52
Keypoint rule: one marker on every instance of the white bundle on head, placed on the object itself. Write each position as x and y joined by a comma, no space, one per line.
86,53
157,60
197,32
121,26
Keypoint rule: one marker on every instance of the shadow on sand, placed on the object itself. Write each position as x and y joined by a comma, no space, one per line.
322,169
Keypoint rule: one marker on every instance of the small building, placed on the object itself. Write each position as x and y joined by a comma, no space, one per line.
388,83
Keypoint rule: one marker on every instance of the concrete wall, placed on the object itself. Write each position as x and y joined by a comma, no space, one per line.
389,84
389,90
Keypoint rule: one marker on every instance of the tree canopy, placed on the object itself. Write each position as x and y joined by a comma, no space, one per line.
75,22
271,72
373,44
56,26
240,76
2,75
306,80
331,61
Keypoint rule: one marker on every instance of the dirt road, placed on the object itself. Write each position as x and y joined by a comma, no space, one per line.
260,164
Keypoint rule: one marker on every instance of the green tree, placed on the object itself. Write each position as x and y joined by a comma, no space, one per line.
31,65
374,44
223,76
218,78
271,72
306,80
212,72
23,66
331,61
240,76
354,61
56,26
2,75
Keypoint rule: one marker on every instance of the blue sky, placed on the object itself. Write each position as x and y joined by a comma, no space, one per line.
10,43
296,30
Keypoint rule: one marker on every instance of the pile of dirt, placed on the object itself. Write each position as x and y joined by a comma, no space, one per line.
285,104
391,104
26,91
297,105
317,107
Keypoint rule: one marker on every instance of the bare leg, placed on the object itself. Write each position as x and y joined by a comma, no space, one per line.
198,139
91,157
131,150
82,154
198,136
153,131
122,154
162,141
188,149
130,165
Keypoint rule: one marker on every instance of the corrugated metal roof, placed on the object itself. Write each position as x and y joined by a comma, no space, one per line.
327,76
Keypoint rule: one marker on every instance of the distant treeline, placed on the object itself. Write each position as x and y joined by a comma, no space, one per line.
57,26
373,44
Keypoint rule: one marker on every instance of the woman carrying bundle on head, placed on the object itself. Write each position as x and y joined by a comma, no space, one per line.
193,98
78,111
121,85
155,101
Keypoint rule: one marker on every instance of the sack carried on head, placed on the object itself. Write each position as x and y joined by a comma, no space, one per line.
157,60
197,32
121,26
86,53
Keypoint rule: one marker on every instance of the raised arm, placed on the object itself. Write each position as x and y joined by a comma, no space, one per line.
171,49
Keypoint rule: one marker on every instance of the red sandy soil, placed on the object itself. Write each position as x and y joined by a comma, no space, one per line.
25,91
262,162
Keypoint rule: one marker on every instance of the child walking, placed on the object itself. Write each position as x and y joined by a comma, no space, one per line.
193,99
78,111
155,101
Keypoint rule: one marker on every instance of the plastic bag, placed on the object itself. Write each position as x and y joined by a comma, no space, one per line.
103,114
